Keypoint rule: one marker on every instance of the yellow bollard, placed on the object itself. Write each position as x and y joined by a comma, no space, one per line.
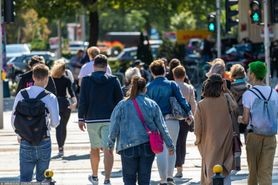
217,178
48,174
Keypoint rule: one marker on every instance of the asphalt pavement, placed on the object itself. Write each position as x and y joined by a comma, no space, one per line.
74,168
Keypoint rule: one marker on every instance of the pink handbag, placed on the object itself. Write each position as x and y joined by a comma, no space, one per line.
156,141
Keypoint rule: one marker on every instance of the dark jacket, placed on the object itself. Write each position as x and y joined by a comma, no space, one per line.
26,80
99,94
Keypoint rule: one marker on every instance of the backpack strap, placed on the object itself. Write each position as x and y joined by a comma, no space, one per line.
254,93
42,94
24,94
270,94
260,93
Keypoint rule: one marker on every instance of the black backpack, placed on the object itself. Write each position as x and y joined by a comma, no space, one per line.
30,118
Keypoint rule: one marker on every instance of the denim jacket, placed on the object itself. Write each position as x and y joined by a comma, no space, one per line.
127,128
160,90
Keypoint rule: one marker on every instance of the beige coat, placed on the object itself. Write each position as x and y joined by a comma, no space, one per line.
214,133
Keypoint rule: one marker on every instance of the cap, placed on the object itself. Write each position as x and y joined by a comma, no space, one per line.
138,62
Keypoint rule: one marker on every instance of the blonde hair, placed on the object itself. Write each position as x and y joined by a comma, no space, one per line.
131,72
217,61
93,52
237,71
58,69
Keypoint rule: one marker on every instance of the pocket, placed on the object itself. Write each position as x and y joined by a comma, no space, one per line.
45,151
147,150
128,153
26,153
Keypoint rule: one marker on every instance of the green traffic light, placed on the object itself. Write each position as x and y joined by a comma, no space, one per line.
211,27
256,17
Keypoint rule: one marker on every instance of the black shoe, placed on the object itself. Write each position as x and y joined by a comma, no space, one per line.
170,181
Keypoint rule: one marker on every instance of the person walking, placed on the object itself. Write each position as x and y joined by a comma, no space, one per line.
161,90
26,79
260,146
187,91
32,123
88,67
63,85
129,74
133,142
99,94
214,134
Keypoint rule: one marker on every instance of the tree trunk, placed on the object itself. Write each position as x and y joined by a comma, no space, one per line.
94,28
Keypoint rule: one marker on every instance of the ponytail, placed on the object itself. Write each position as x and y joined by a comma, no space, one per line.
138,85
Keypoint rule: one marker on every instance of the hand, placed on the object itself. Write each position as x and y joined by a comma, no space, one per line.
82,126
110,151
72,106
239,119
190,119
171,151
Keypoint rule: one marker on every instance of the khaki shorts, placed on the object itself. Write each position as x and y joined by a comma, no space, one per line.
98,134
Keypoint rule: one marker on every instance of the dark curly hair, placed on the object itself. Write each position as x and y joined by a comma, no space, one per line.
212,87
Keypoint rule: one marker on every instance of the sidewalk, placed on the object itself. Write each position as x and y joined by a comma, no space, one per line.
75,167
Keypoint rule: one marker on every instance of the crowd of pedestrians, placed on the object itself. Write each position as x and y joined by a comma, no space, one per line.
139,118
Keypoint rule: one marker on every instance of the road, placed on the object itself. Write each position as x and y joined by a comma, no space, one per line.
74,168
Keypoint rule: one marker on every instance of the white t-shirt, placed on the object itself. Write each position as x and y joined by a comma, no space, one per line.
88,68
249,97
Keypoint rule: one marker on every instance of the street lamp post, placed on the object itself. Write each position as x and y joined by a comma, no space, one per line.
1,80
218,28
266,41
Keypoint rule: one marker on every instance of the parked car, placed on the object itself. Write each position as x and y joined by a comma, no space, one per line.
130,54
15,50
19,65
74,46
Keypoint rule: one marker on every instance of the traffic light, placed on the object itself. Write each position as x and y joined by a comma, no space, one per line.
256,11
230,13
9,12
212,22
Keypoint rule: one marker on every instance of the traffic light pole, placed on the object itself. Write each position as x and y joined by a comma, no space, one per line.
1,80
218,28
266,41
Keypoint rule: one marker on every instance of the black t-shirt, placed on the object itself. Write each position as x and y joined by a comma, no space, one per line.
62,85
26,80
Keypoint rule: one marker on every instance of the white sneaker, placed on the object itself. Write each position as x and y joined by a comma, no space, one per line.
93,180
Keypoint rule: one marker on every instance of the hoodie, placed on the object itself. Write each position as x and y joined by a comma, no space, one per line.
99,94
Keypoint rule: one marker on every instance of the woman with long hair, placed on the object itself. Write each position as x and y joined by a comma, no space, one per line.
64,87
133,143
214,130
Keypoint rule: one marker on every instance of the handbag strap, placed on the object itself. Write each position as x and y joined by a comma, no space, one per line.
141,117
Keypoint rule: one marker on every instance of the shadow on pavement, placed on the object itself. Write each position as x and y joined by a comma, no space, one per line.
177,181
72,157
9,179
239,177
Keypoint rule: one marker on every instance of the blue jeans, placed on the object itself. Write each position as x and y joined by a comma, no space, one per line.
137,163
31,156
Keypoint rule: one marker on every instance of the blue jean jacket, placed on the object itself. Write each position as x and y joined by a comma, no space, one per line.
160,90
127,128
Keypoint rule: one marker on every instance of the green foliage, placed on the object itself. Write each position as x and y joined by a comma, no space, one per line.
37,44
183,20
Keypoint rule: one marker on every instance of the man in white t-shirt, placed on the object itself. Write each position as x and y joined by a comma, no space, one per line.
260,149
88,68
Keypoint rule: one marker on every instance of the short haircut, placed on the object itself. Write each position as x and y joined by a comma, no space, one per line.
237,71
40,71
100,61
259,69
157,67
93,52
179,72
36,60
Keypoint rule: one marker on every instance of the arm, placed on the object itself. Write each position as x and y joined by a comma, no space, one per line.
53,109
192,101
114,129
118,96
198,125
161,126
83,101
17,99
182,101
72,95
246,115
